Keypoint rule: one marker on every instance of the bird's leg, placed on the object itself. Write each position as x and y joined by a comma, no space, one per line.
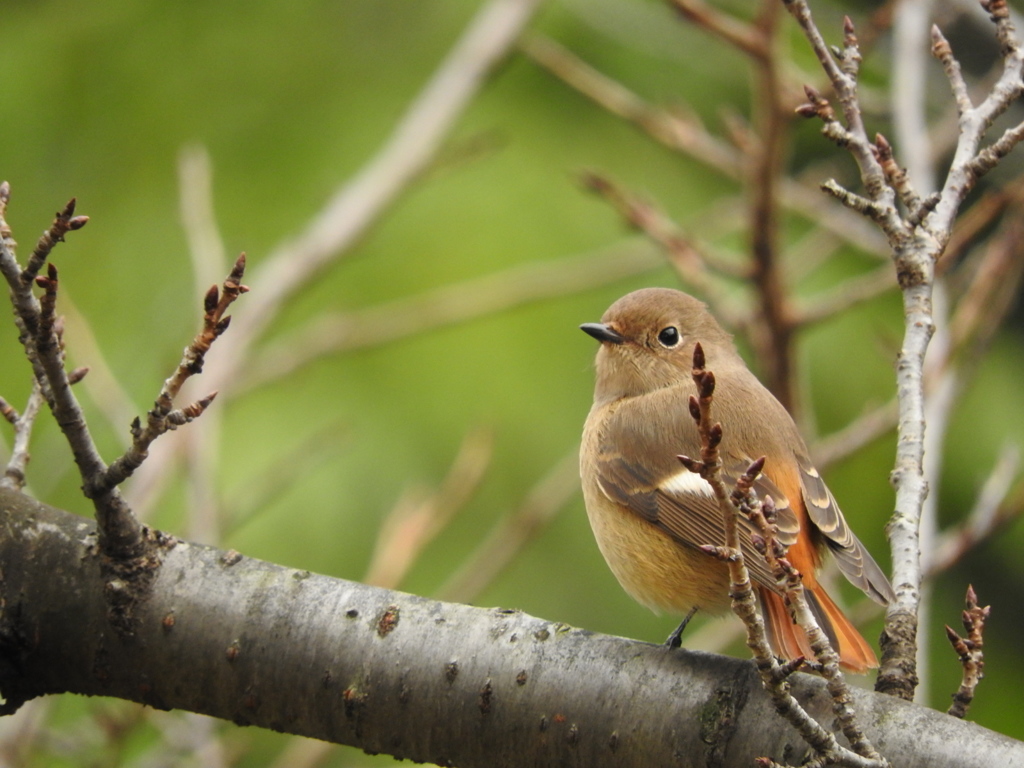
675,640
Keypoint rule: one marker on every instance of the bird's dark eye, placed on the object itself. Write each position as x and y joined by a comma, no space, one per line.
669,337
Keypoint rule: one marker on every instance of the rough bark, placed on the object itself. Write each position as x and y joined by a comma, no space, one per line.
259,644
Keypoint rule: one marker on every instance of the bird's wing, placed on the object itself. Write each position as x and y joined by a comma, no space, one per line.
852,557
681,503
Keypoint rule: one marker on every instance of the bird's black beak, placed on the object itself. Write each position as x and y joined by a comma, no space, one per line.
602,332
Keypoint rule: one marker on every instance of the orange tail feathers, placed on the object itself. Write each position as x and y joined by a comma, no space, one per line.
789,641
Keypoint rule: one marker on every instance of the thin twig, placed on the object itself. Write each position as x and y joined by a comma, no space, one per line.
694,267
773,676
334,332
993,509
772,335
849,293
975,122
120,534
513,531
64,222
709,467
685,134
14,474
290,466
762,514
163,417
970,649
418,518
736,33
357,205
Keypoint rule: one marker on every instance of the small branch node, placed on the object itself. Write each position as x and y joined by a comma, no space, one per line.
816,106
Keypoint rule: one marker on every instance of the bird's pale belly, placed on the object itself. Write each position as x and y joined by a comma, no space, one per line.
654,569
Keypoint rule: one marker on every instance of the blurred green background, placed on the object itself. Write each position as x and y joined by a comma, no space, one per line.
289,100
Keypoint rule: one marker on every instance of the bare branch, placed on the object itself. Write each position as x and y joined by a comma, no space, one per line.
773,676
684,133
917,243
738,34
855,435
65,222
357,205
849,293
944,53
341,332
688,260
508,537
162,417
993,509
417,518
14,474
971,653
968,162
120,534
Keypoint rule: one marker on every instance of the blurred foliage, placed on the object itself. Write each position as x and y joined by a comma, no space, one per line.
291,99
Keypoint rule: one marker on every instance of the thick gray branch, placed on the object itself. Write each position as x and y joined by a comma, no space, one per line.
264,645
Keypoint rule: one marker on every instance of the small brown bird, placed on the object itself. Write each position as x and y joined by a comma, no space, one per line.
649,514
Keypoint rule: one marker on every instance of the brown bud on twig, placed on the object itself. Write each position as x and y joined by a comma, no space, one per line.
849,32
693,465
77,375
222,325
694,408
69,210
698,357
210,299
238,270
817,106
707,384
806,110
197,408
8,412
755,468
714,435
882,148
958,643
190,411
725,554
594,182
941,49
791,666
997,9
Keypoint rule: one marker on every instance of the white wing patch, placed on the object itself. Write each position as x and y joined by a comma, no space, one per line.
687,483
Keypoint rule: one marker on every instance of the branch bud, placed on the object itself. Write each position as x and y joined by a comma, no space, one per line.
698,357
210,299
694,408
